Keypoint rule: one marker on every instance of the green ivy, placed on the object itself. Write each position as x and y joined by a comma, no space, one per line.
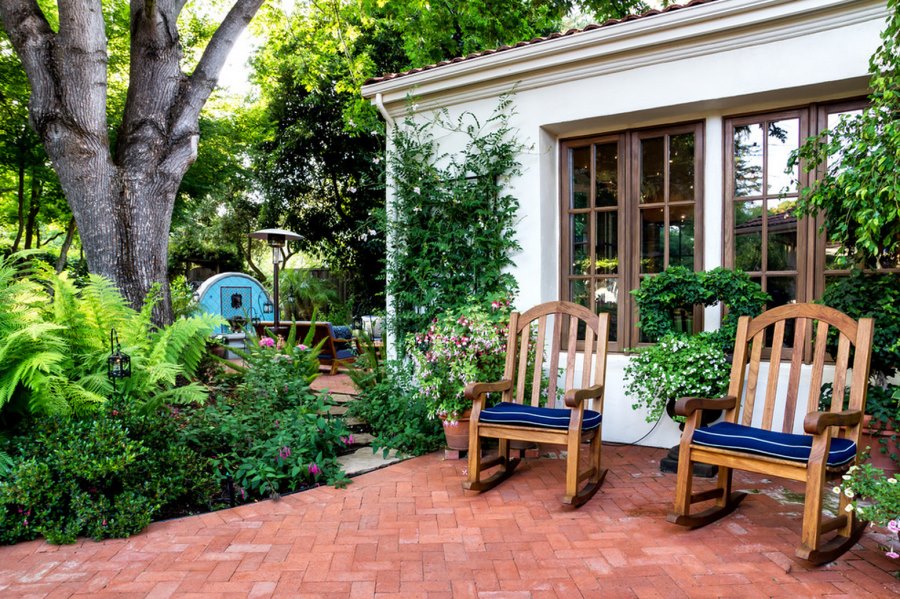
451,226
679,287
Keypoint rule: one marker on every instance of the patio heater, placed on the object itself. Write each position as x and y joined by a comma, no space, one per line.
276,238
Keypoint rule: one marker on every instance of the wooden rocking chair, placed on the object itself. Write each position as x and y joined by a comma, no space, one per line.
831,438
514,420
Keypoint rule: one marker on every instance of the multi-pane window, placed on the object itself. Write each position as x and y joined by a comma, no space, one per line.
792,259
631,206
766,240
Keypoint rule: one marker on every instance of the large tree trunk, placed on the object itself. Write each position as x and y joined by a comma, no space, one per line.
122,204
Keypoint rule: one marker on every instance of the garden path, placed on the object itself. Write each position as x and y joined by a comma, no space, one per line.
409,530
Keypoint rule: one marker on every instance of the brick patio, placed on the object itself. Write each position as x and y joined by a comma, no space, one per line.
410,531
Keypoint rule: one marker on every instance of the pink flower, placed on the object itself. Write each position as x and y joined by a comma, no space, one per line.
892,554
893,526
104,522
314,469
302,347
266,342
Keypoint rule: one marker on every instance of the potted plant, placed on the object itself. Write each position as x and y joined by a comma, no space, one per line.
875,496
676,366
460,346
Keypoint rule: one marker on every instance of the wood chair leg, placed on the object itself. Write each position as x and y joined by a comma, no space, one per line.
593,473
849,529
478,464
726,500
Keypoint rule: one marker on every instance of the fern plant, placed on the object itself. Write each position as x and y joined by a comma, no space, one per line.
55,345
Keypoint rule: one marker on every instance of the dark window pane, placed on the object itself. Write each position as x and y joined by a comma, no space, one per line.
784,136
681,168
607,175
748,236
606,297
607,253
748,155
782,234
580,160
652,240
581,256
579,292
652,170
782,289
681,236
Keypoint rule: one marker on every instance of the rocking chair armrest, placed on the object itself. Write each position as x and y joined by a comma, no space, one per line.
475,390
815,423
688,405
575,397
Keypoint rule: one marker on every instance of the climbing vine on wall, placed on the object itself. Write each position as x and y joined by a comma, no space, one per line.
451,224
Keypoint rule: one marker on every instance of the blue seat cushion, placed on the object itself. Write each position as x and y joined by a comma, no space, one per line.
736,437
342,354
513,413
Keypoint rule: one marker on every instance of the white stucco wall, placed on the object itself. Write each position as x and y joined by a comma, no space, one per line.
705,63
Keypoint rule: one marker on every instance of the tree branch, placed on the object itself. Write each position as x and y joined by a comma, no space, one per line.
32,37
199,86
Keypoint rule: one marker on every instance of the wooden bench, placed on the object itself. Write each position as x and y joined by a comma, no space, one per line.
336,350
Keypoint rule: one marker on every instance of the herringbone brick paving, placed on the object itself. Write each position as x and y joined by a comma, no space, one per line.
409,530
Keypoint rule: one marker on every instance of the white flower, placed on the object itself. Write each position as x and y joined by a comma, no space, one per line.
416,189
849,493
837,490
853,468
849,507
846,477
892,480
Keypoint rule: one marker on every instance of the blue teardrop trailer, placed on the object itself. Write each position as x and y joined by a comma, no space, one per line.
234,295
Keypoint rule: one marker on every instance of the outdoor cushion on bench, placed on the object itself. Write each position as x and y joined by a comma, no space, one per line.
736,437
513,413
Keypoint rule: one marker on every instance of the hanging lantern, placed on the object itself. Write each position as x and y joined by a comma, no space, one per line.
118,365
268,307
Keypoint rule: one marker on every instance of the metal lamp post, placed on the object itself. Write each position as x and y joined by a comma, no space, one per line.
276,238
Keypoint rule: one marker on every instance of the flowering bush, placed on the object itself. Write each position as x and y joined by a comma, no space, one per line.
461,346
677,366
874,496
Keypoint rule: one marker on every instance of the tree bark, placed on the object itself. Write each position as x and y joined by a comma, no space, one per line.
67,243
33,208
20,193
122,204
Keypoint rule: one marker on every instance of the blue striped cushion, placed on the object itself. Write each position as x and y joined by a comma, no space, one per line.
513,413
736,437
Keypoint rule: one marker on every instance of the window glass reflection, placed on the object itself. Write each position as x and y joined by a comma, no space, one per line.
783,138
652,170
580,160
607,175
748,160
681,168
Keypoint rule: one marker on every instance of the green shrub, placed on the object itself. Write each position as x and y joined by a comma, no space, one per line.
399,419
103,476
272,435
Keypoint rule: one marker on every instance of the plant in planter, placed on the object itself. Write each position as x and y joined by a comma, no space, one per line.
461,345
676,366
875,496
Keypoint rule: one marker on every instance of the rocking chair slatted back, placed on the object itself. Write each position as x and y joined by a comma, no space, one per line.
535,323
775,320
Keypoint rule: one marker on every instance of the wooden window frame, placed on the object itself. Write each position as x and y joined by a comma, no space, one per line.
628,222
